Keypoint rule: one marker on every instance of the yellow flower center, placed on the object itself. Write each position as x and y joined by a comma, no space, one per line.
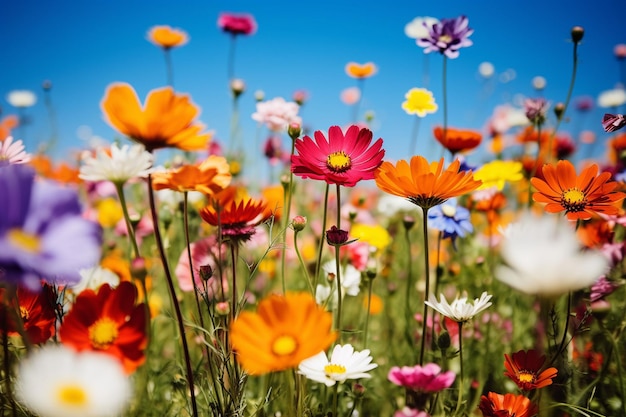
102,333
24,240
338,162
448,210
24,313
573,200
72,395
331,369
284,345
445,38
525,376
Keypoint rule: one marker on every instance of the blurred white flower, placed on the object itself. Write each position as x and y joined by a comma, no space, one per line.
350,277
92,278
390,205
486,69
539,82
344,363
277,114
460,310
419,27
612,98
13,152
117,165
55,381
21,98
542,255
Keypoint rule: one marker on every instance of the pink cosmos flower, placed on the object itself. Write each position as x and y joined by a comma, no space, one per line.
237,24
12,152
203,252
277,114
342,159
350,95
428,378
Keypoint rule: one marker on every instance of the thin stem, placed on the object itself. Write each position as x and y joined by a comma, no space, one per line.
119,187
189,257
339,297
427,284
318,263
302,264
233,253
533,171
460,397
370,283
286,215
562,344
445,102
170,284
407,296
414,133
54,131
231,57
335,400
169,67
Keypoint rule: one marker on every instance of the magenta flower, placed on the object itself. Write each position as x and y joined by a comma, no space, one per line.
342,159
447,36
237,24
613,122
428,378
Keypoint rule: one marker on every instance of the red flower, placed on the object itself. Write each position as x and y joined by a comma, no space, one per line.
234,24
108,321
508,405
524,368
342,159
37,310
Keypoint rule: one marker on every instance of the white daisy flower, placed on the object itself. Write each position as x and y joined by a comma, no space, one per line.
460,310
419,27
21,98
13,152
350,277
93,278
542,255
612,98
344,364
118,166
56,381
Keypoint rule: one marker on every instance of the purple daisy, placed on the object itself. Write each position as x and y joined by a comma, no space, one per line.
451,219
43,235
447,36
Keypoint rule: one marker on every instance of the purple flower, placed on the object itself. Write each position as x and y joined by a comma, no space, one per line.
42,232
428,378
613,122
535,109
447,36
601,289
451,219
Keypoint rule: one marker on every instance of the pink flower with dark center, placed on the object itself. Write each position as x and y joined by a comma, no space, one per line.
237,24
342,159
428,378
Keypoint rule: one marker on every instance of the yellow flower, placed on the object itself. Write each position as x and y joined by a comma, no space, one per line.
285,330
496,173
109,212
167,37
419,101
374,235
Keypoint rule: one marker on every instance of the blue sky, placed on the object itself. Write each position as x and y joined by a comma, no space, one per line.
83,46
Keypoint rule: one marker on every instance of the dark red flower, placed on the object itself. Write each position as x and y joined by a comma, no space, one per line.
508,405
37,310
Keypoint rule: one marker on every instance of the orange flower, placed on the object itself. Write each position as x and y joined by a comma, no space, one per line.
236,217
275,198
209,177
108,321
579,196
524,368
166,37
42,165
166,119
7,124
457,140
507,405
37,310
356,70
284,330
425,184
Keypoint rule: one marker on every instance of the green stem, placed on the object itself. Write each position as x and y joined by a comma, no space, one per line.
427,284
445,102
233,255
460,397
175,303
408,333
302,264
335,400
367,312
318,263
533,171
286,216
119,187
338,286
189,257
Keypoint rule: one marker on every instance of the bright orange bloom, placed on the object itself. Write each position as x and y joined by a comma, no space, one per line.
425,184
166,119
7,124
42,165
356,70
579,196
108,321
66,174
237,217
458,140
617,146
275,198
284,330
507,405
37,310
524,368
167,37
209,177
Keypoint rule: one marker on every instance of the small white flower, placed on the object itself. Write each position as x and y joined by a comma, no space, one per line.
486,69
13,152
94,277
460,310
612,98
21,98
119,166
350,277
542,255
277,114
344,364
392,205
56,381
419,27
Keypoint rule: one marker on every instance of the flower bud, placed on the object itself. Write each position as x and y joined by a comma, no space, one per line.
559,109
138,268
443,341
206,272
408,222
46,85
259,95
298,223
237,87
577,34
336,237
294,130
222,308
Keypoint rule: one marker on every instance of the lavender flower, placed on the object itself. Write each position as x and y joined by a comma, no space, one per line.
447,36
451,219
601,288
42,232
613,122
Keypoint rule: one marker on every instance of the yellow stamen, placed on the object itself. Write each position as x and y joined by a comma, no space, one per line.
338,162
72,395
445,38
102,333
526,376
24,313
284,345
334,369
24,240
573,200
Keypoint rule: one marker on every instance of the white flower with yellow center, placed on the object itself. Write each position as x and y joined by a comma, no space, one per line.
116,164
58,382
344,363
460,310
